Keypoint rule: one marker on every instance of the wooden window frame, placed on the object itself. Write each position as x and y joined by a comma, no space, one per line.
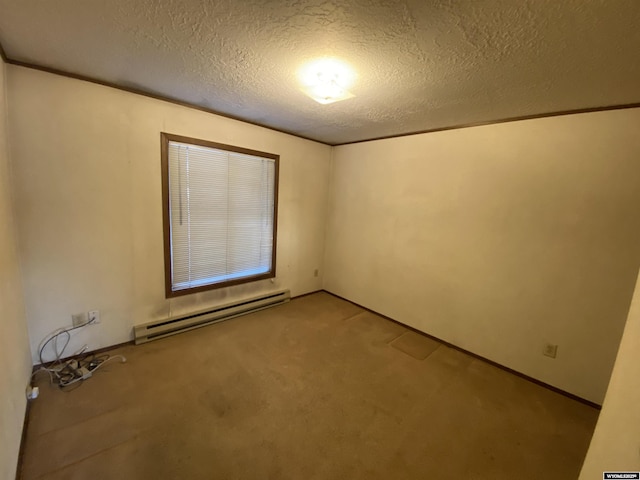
166,214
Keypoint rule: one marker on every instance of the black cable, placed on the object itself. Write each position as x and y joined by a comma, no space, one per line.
54,336
91,361
47,343
68,388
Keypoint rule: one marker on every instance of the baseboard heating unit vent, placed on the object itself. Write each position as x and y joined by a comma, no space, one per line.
170,326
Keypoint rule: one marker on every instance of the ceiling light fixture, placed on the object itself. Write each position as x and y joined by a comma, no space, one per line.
326,80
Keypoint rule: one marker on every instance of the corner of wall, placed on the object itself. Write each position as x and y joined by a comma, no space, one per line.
14,344
327,216
615,445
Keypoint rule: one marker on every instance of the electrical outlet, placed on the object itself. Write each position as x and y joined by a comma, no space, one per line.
550,350
94,316
79,319
315,272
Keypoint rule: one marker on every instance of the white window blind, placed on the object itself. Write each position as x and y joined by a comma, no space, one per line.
221,210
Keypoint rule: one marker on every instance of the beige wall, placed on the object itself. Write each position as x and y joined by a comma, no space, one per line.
497,239
14,346
88,190
616,441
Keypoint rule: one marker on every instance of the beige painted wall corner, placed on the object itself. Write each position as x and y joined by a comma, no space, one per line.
616,441
14,344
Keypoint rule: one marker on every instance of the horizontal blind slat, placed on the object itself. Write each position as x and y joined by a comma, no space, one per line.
222,214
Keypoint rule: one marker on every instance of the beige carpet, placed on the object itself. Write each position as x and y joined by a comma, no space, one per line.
314,389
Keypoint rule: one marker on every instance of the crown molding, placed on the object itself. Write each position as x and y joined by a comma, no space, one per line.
153,95
503,120
174,101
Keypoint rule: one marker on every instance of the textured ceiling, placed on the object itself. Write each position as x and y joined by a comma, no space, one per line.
420,64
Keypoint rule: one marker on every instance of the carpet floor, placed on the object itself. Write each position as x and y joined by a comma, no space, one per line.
317,388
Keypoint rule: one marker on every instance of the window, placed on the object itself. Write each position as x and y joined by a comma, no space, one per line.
219,208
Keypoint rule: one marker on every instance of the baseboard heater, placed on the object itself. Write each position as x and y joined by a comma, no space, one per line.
147,332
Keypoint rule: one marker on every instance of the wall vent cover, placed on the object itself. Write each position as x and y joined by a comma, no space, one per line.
147,332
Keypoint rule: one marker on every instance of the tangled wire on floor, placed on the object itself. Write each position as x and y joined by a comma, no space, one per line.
66,373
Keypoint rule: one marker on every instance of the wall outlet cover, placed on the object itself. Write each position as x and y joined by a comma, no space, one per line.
94,316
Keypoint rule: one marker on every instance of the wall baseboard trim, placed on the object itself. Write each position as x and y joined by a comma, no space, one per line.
3,55
307,294
23,440
37,366
131,342
479,357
